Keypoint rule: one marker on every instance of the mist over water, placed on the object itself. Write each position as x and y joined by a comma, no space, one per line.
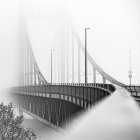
115,118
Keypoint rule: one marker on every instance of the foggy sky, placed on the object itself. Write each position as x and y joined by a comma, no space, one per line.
114,29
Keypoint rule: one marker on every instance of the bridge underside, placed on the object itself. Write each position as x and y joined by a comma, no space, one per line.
55,111
56,105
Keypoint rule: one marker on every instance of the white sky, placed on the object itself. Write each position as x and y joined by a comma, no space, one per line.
115,28
8,32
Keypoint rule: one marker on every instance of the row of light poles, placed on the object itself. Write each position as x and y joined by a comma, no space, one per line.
85,57
130,72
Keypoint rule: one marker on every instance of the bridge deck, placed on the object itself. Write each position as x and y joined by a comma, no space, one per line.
55,103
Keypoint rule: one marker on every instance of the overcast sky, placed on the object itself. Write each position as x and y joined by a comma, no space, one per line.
115,28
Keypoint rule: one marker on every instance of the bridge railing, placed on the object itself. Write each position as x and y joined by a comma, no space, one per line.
91,93
134,90
109,87
55,103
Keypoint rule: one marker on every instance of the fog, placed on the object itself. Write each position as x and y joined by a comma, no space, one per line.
8,45
115,118
115,28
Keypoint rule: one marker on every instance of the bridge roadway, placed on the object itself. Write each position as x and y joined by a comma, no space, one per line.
56,104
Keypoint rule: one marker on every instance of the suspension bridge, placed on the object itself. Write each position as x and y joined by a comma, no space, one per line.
55,103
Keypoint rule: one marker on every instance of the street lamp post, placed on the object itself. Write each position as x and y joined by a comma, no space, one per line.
86,54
